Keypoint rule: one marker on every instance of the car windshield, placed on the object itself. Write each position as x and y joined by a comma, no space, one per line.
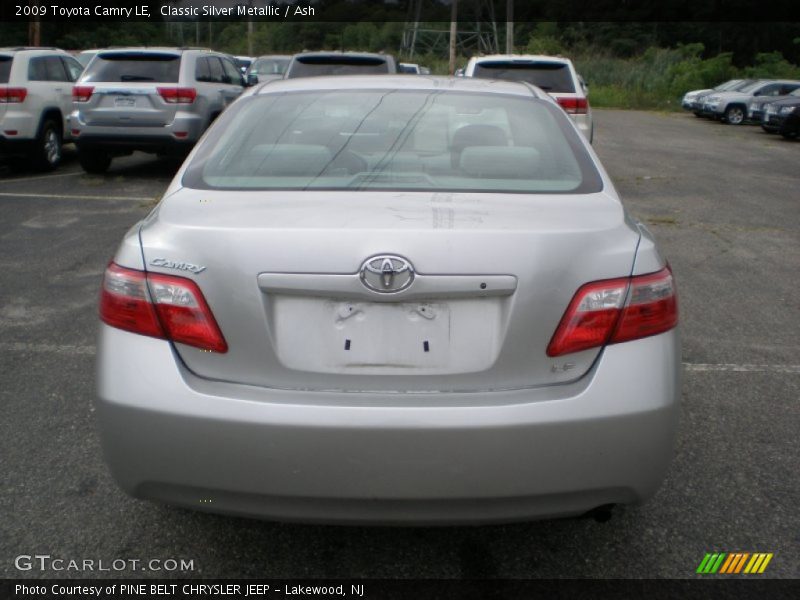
269,66
728,85
394,140
133,66
750,86
550,76
5,68
311,66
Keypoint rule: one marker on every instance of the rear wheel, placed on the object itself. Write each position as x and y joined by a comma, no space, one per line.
734,115
94,161
48,146
790,135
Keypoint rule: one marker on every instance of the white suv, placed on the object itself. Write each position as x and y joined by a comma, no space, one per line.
553,74
35,100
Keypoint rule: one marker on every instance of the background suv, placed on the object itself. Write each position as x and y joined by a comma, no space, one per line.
157,100
552,74
35,99
691,99
731,106
267,68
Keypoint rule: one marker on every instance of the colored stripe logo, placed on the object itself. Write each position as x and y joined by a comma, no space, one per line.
731,563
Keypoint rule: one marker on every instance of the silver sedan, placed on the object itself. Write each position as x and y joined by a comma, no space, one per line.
395,300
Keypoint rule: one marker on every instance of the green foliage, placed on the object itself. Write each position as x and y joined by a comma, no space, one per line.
772,64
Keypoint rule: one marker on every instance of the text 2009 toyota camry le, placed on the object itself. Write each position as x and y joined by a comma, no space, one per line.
390,299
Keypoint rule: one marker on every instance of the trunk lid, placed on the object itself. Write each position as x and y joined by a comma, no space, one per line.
493,274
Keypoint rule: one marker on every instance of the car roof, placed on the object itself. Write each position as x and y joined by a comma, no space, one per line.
521,58
402,82
158,49
340,53
31,50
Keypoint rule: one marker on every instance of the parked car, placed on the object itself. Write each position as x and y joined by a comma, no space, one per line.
413,69
157,100
731,106
755,112
267,68
783,116
311,64
35,98
690,100
85,56
553,74
423,302
243,62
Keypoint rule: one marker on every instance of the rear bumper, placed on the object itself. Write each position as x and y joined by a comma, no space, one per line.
180,135
402,458
162,144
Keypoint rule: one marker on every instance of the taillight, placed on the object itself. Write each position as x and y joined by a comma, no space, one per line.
82,93
617,310
157,305
177,95
574,106
12,95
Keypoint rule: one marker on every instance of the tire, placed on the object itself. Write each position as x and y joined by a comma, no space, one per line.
735,115
48,146
94,161
789,135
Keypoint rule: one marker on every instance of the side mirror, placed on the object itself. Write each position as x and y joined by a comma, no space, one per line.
252,79
757,94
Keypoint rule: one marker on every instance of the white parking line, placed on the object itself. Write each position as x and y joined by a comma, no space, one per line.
23,179
76,197
746,368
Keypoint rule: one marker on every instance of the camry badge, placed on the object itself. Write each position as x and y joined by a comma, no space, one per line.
180,266
386,273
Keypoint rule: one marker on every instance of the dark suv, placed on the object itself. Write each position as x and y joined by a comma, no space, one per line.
311,64
783,116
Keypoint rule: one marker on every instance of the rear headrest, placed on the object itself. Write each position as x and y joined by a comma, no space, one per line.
500,162
475,135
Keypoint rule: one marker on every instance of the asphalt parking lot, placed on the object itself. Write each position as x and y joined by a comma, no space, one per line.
722,201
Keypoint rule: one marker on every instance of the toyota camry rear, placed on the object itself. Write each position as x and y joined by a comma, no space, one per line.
378,299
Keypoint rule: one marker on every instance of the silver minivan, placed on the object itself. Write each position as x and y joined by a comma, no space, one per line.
158,100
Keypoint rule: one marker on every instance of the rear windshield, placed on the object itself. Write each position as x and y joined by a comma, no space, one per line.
394,140
550,76
134,66
269,66
5,68
311,66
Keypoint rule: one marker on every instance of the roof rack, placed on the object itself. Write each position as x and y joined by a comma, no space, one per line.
18,48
